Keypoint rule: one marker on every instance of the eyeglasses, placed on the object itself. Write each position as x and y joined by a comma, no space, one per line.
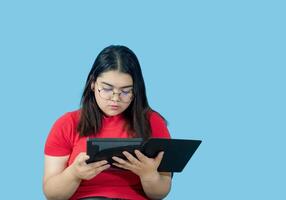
125,96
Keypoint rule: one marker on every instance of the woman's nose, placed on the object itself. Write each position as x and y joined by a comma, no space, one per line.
115,96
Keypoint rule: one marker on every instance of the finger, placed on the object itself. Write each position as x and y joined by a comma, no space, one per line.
82,158
125,164
102,168
98,164
131,158
120,166
93,172
140,156
119,160
159,157
96,169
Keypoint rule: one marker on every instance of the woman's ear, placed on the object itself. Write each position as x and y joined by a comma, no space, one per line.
92,86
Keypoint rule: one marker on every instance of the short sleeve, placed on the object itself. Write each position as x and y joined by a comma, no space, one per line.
59,141
158,126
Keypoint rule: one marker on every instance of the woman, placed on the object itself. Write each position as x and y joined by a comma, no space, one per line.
113,105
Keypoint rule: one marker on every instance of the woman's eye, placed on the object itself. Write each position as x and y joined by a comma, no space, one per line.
107,89
125,92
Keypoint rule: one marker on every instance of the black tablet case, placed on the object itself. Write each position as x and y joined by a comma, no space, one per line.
177,152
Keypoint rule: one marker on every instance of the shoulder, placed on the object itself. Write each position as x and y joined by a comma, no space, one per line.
66,126
155,117
68,119
62,135
158,125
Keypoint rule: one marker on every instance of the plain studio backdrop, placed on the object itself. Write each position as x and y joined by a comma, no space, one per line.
214,69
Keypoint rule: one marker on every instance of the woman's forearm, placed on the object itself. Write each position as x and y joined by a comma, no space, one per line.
61,186
156,186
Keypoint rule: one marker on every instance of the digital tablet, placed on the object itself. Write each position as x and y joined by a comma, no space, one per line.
104,148
177,152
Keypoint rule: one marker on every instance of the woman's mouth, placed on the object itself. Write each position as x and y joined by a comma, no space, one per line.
114,107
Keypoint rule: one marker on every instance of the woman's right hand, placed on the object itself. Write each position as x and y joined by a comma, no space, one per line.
83,171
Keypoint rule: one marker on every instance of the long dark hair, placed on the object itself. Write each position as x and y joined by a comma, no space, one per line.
122,59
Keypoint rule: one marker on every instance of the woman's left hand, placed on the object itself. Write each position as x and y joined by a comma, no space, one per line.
144,167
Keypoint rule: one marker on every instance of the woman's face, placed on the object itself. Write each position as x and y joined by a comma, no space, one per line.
113,92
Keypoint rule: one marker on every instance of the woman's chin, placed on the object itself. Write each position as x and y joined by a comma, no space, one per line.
111,113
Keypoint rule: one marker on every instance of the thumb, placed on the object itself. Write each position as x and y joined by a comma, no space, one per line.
82,157
159,157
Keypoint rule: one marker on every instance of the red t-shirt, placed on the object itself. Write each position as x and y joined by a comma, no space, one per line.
64,139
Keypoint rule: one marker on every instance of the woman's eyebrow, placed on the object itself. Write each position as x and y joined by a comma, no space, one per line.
108,84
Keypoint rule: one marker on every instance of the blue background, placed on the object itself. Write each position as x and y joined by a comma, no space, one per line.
214,69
